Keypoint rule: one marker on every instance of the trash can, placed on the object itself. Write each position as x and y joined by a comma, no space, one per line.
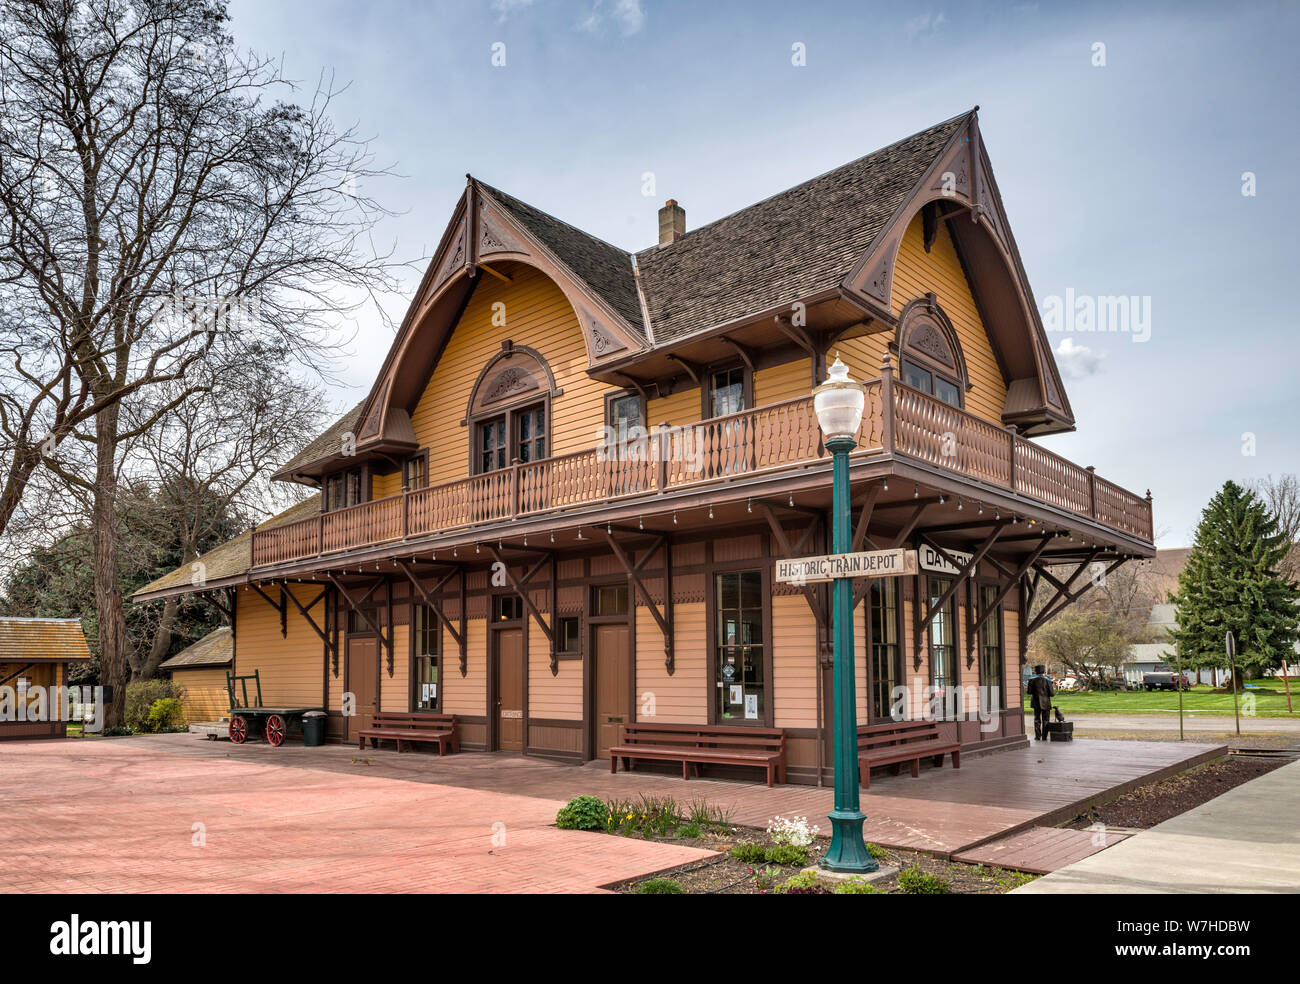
313,728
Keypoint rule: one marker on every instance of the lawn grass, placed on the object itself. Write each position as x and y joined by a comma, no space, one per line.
1202,700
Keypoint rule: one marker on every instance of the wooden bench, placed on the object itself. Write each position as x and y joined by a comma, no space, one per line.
896,742
695,745
406,728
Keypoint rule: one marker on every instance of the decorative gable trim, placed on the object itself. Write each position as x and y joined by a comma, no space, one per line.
962,175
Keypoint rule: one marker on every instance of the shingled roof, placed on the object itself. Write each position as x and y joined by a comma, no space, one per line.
327,444
47,640
229,559
787,247
784,248
606,269
214,649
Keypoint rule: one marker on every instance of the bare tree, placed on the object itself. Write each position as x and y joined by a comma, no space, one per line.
209,460
1282,497
163,209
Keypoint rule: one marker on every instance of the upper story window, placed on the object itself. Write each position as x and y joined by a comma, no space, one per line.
726,391
930,353
415,472
626,416
509,413
520,434
930,382
343,489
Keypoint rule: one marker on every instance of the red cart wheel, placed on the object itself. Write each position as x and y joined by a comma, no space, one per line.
238,730
276,729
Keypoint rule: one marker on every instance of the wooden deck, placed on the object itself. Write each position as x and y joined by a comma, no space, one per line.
768,440
944,812
1040,850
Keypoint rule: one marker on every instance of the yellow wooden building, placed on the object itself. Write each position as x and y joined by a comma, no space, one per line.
199,670
559,507
36,655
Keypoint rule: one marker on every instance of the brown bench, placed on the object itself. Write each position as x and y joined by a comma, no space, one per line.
896,742
405,728
695,745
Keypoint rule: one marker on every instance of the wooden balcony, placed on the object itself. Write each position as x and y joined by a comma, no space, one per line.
755,443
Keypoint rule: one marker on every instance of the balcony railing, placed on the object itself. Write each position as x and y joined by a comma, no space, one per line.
773,438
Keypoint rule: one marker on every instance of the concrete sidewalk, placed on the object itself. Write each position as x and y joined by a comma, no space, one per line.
1243,841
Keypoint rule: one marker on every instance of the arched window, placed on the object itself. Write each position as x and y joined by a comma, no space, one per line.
509,413
929,353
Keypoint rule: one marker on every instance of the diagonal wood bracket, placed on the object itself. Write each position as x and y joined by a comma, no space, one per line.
1065,596
812,595
963,572
1010,584
429,600
900,538
355,605
305,612
662,619
520,587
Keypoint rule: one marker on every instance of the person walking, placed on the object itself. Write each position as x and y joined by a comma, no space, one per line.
1041,692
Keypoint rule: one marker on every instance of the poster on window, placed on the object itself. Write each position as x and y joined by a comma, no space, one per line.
737,693
751,707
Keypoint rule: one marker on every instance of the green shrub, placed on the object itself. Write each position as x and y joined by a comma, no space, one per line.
749,853
647,816
660,886
700,812
876,851
118,732
140,698
689,830
914,881
856,886
166,714
805,883
582,813
787,854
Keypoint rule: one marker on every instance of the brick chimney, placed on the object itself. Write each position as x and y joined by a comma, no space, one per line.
672,222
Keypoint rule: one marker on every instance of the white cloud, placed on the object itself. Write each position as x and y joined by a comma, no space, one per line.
628,16
1077,361
504,8
925,24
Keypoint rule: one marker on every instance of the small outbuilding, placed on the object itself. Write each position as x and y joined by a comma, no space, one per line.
200,671
35,657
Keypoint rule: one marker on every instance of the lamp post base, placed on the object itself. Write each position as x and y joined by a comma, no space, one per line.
848,852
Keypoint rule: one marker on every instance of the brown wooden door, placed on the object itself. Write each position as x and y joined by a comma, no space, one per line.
363,671
613,672
510,690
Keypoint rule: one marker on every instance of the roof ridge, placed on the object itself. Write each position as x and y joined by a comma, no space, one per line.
38,618
815,177
554,218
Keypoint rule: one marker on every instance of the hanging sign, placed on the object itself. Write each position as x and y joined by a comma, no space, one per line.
869,563
932,560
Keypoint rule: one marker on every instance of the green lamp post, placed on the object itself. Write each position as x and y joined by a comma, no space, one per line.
839,403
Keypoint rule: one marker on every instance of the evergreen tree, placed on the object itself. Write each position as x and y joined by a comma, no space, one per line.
1232,582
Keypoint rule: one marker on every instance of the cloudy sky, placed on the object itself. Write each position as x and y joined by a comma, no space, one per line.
1122,139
